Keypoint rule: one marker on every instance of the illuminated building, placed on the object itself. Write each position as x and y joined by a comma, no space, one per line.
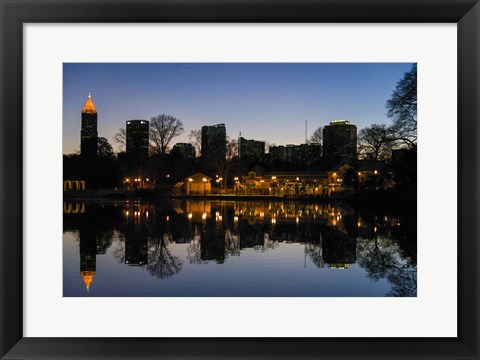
89,135
137,140
340,141
197,184
214,142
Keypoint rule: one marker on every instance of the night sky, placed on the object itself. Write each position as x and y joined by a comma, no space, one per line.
269,102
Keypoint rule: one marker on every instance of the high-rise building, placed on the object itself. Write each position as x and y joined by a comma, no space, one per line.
214,142
250,149
89,135
340,140
137,139
184,150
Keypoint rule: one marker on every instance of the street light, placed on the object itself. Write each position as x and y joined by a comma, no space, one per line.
190,180
204,184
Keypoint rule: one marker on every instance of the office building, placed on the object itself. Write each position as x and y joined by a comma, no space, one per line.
250,149
214,142
340,141
184,150
88,134
137,139
298,154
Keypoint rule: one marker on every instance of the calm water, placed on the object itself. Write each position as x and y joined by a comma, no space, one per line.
236,248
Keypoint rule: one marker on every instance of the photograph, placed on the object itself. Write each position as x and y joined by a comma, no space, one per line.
239,179
261,156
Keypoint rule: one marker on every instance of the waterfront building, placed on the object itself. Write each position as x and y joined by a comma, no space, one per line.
184,150
281,183
75,185
214,142
250,149
340,141
197,184
137,140
88,133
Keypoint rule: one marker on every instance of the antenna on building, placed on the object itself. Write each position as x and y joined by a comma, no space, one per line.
89,94
240,134
306,132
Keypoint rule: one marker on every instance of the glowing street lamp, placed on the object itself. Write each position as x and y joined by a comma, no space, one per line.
204,184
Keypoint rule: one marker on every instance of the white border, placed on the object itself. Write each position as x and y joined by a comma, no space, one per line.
432,313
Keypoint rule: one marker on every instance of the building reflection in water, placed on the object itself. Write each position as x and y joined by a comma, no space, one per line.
213,231
136,234
88,249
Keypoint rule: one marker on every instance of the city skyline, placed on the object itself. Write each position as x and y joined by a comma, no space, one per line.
268,102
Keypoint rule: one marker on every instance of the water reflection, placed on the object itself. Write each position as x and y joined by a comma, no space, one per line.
165,239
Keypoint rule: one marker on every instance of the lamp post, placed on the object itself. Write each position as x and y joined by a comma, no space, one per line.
204,184
189,186
236,185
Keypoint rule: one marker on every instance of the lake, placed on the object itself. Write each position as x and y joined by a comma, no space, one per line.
236,248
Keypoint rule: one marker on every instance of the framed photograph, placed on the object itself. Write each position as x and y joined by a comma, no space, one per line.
238,179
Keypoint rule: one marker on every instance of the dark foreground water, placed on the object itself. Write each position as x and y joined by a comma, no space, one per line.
236,248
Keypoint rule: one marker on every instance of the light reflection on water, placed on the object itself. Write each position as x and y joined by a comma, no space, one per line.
236,248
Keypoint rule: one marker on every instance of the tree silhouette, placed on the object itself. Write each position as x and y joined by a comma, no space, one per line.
104,148
402,109
222,165
195,138
317,136
163,128
374,142
381,259
161,263
121,138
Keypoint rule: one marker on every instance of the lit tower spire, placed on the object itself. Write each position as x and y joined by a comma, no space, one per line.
88,134
87,278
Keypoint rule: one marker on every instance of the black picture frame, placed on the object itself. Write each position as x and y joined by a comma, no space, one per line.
14,13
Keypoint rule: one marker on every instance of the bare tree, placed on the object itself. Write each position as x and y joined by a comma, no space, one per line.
223,165
267,146
374,142
317,136
195,138
121,138
161,263
163,128
402,108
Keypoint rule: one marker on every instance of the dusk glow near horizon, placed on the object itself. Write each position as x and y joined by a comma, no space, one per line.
263,101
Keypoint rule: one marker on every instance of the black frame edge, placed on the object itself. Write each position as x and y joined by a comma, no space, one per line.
15,13
11,180
468,176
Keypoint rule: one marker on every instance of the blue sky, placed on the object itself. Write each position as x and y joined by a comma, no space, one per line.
264,101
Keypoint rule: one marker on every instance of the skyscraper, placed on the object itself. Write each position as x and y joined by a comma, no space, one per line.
214,142
89,135
340,141
137,139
